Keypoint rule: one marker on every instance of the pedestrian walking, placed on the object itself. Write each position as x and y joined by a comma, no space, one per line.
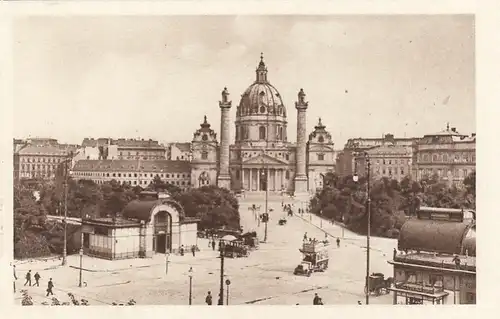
209,243
208,299
305,236
37,279
15,276
338,242
193,250
220,302
213,244
28,278
316,299
50,285
181,250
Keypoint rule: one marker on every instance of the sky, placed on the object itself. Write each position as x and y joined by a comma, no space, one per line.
157,76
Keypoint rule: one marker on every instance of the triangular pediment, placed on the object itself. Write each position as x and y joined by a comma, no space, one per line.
264,159
320,148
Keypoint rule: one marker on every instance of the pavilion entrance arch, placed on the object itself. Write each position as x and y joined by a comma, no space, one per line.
163,222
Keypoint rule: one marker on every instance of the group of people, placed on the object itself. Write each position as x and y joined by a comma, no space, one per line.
208,299
314,240
37,277
193,250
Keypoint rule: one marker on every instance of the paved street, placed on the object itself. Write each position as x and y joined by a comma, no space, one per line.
266,277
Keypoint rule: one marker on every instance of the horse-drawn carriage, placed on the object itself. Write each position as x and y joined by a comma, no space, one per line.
236,248
376,283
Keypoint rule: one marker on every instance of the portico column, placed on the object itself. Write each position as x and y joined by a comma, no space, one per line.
243,179
300,176
258,179
250,177
283,178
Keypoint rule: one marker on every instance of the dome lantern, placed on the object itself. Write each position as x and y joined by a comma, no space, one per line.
261,71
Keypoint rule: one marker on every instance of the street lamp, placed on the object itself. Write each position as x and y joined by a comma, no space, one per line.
167,254
355,178
81,263
190,274
228,282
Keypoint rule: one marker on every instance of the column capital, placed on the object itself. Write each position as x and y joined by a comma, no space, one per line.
301,104
225,103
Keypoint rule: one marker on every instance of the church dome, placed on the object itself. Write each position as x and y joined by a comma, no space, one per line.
261,98
261,115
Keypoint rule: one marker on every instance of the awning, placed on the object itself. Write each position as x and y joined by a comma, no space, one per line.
418,294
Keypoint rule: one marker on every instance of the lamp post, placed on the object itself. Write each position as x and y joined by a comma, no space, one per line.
221,292
355,179
228,282
167,254
190,274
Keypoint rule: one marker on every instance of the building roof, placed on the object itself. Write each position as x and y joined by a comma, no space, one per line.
183,147
158,166
121,142
432,236
141,209
435,260
43,150
390,150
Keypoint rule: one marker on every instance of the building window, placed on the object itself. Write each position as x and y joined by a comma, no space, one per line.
436,280
383,161
321,139
287,174
204,155
321,157
287,157
114,174
262,133
470,297
402,171
103,231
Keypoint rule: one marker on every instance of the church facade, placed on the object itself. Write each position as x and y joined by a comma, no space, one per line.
261,157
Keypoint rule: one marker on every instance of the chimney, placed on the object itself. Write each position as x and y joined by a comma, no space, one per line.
454,129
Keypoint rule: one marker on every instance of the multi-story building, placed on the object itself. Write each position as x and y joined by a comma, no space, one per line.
437,259
448,154
391,161
134,172
349,161
41,161
123,149
179,151
40,157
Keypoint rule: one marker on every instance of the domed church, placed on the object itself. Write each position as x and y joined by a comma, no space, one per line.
261,157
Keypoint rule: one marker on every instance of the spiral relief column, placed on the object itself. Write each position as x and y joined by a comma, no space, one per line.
300,172
224,179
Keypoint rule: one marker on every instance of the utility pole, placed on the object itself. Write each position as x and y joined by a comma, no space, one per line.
367,159
65,242
221,292
81,261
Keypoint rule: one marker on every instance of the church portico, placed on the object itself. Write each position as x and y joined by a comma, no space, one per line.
257,179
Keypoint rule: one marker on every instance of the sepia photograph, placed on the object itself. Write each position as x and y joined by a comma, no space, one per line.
244,160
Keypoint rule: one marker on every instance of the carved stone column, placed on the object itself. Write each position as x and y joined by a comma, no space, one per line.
224,179
300,174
